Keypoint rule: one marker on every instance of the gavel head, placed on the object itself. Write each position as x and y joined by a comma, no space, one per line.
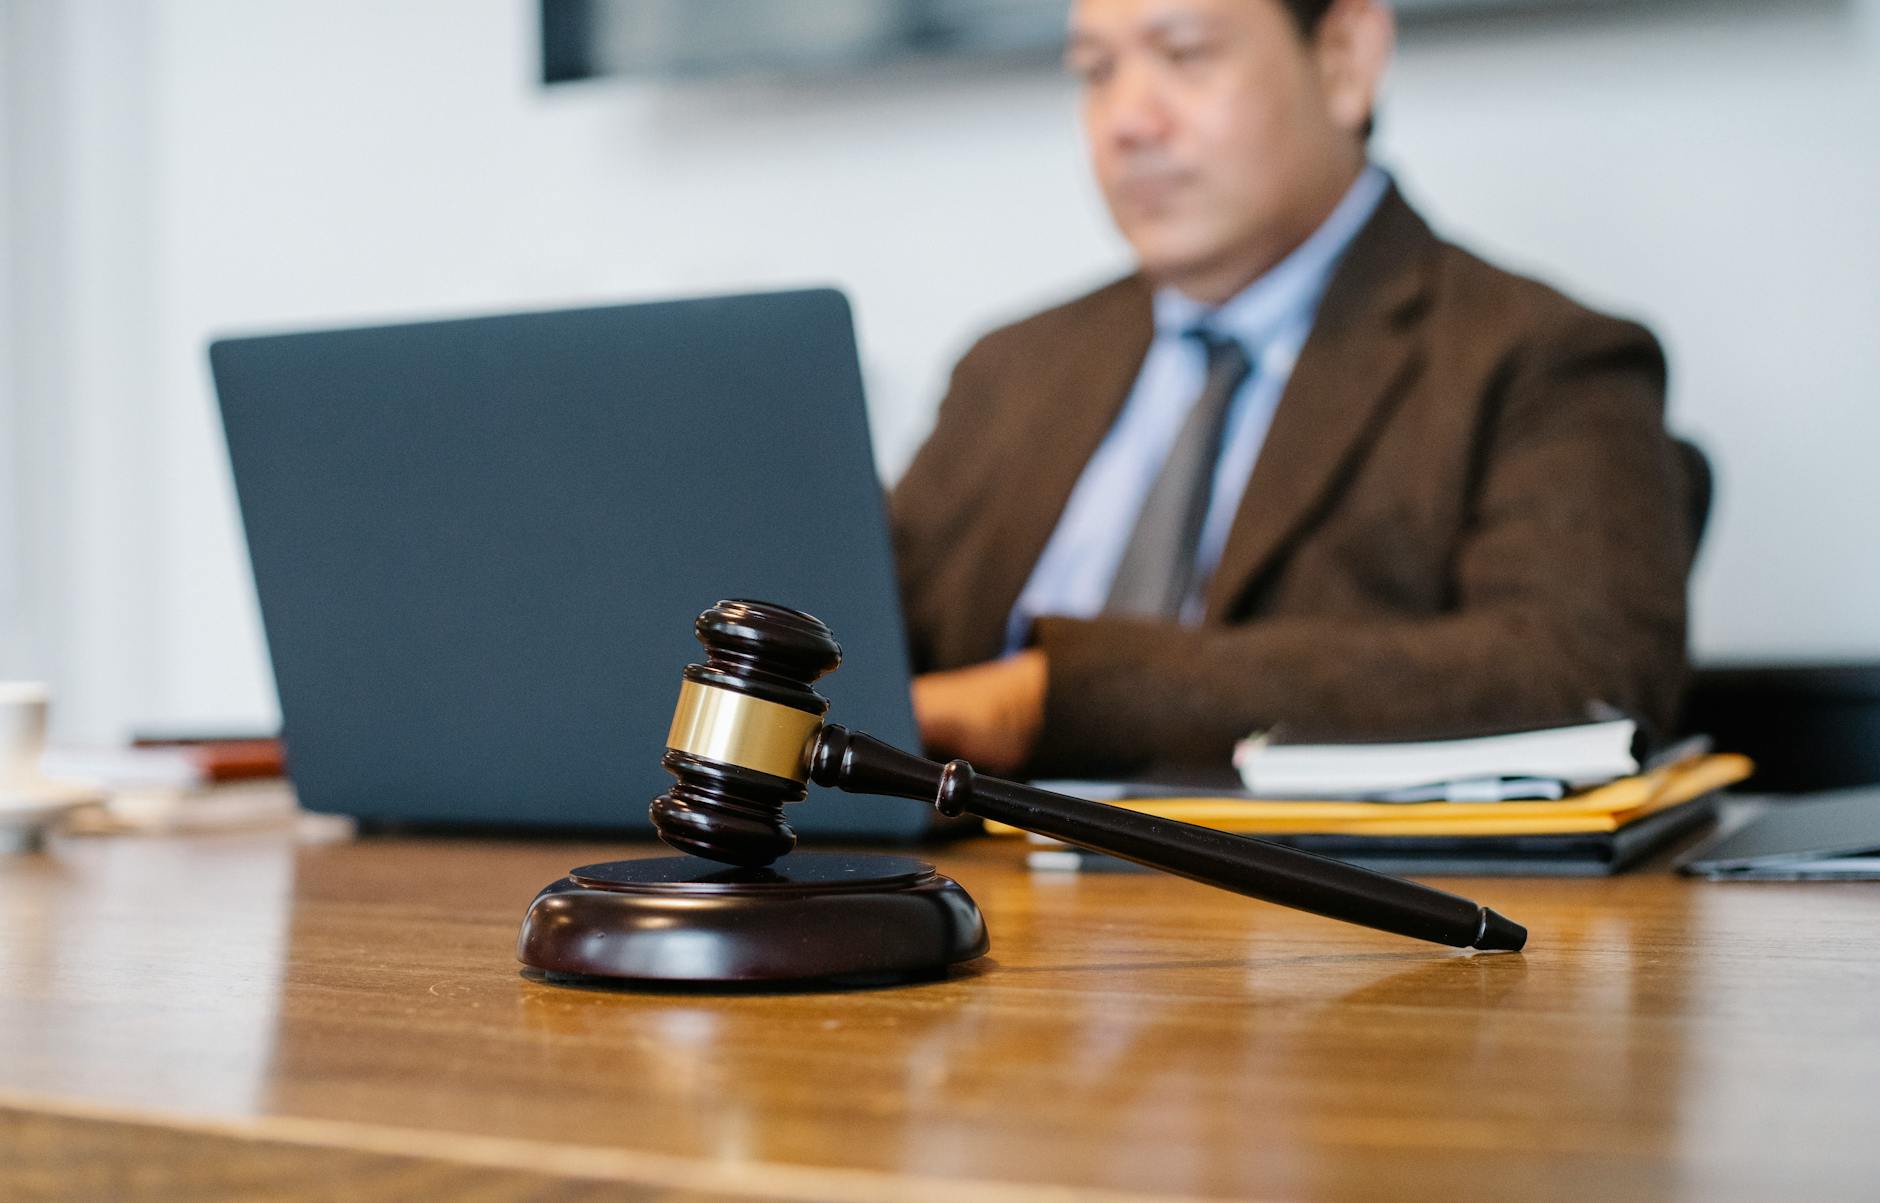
741,736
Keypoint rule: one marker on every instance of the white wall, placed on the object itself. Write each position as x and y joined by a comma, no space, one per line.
12,605
1711,167
81,410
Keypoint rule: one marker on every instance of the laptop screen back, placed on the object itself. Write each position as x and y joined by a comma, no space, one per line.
479,546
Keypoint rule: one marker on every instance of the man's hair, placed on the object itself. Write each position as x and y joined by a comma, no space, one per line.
1307,14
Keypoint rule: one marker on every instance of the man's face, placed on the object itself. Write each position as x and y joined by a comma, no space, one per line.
1215,132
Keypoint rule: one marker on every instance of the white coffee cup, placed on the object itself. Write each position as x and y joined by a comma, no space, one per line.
23,707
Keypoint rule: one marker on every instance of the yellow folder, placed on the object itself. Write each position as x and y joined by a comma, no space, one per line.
1604,808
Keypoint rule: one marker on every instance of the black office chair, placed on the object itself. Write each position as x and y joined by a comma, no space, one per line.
1698,484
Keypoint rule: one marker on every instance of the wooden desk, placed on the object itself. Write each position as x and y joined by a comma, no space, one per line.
232,1017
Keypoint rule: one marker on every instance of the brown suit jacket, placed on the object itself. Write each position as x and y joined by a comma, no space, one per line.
1466,513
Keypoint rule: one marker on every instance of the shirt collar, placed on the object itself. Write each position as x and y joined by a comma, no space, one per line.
1292,287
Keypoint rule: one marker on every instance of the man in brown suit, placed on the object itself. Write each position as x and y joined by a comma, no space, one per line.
1465,510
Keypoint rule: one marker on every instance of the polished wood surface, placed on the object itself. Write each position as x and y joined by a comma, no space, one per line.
235,1017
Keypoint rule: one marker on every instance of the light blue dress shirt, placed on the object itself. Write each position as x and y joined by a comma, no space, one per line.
1271,317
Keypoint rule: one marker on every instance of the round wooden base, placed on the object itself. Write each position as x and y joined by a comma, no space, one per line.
811,916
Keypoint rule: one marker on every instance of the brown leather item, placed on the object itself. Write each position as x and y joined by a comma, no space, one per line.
1467,514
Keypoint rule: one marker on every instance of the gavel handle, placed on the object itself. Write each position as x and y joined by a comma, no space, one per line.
860,764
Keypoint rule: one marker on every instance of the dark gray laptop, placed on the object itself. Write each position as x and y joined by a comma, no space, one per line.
480,544
1833,836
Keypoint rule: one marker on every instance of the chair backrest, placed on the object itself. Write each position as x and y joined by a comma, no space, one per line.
1698,483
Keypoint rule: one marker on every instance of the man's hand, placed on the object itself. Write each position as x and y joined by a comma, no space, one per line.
988,714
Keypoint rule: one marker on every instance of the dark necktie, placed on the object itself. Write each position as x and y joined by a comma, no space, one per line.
1158,567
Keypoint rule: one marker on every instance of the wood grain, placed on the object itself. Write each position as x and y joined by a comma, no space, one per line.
234,1014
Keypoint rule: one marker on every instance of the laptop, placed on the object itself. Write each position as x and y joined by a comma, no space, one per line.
1829,836
480,544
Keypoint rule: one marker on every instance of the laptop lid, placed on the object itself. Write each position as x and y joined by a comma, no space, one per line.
479,546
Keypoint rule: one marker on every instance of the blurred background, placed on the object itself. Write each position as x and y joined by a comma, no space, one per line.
175,169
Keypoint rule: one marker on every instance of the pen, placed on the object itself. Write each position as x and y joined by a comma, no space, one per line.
1687,749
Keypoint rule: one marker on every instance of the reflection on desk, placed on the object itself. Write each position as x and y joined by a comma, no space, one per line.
232,1015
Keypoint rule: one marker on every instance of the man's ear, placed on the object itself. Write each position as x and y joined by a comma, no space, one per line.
1354,43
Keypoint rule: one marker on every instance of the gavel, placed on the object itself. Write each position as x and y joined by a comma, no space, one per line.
749,735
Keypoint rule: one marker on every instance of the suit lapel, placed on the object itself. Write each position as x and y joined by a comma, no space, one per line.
1075,406
1362,351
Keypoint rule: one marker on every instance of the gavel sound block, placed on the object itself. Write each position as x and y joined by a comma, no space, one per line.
747,737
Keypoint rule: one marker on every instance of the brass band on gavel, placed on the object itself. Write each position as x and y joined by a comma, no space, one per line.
736,728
